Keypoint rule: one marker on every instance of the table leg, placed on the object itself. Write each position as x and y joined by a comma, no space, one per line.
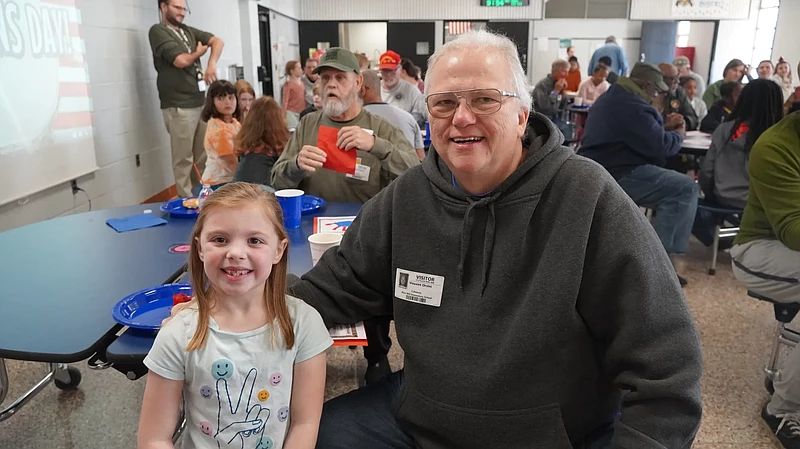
55,370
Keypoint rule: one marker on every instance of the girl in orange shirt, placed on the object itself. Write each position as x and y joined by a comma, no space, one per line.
220,111
574,75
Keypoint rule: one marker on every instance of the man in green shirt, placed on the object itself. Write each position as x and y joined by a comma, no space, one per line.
181,82
766,253
383,154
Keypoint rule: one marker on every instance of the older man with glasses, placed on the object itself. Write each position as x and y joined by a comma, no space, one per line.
531,298
177,49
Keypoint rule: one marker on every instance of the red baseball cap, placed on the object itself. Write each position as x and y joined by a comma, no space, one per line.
389,61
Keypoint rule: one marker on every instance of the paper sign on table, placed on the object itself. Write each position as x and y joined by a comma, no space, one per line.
332,225
349,335
338,159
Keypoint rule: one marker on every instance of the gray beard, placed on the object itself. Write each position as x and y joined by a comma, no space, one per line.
335,108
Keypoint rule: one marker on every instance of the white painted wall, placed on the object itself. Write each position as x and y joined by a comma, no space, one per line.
366,37
285,39
734,40
586,35
663,10
786,36
126,115
701,37
413,10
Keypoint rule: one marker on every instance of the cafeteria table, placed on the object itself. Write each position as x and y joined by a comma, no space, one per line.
62,277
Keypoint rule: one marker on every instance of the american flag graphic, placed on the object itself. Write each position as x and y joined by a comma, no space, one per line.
73,117
456,28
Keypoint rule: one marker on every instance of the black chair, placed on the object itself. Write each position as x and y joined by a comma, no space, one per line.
721,215
784,313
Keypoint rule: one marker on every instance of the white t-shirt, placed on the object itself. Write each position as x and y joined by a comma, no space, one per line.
407,97
401,119
237,389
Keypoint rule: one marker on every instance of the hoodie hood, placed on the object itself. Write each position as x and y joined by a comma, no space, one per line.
545,156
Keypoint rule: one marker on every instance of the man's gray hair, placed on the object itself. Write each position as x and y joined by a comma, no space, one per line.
479,42
611,38
559,64
371,80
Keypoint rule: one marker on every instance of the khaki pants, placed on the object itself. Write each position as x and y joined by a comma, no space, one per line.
186,134
773,270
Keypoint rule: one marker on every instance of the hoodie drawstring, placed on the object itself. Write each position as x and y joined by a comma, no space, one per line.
488,238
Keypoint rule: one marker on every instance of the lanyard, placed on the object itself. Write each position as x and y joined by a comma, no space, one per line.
185,41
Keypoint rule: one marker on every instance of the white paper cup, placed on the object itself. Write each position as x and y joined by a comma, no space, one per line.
578,101
320,243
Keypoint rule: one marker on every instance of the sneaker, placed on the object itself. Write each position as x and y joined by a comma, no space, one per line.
377,370
786,427
682,280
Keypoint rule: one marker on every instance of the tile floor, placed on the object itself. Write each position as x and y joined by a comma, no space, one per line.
736,335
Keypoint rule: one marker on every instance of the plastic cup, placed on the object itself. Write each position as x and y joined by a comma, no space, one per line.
578,101
320,243
291,201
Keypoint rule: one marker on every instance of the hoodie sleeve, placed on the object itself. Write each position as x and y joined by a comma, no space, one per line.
353,282
632,304
649,137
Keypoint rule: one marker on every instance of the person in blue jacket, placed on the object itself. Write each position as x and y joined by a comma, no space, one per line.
625,134
611,50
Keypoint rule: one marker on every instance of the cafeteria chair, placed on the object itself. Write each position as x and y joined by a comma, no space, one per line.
721,215
784,313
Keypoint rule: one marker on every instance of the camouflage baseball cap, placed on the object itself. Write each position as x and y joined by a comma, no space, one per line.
339,59
649,72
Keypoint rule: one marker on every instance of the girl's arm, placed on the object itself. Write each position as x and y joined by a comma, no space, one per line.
308,392
160,411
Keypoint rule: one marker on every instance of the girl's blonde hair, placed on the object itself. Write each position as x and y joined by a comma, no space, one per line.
233,195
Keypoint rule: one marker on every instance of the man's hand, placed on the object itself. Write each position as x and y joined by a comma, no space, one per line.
311,158
673,121
201,49
560,85
354,137
211,73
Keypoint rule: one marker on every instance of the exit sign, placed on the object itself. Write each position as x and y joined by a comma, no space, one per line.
505,2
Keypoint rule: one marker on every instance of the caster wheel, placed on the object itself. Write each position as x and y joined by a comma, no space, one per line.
712,271
768,385
74,380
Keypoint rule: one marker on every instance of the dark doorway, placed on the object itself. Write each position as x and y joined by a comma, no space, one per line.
405,37
265,69
517,32
313,32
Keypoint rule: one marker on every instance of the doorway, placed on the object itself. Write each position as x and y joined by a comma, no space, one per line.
265,69
412,40
517,32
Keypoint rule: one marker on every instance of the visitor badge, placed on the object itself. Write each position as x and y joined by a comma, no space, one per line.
417,287
201,85
361,173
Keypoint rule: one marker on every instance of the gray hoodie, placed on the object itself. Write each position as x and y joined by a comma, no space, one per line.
559,307
724,172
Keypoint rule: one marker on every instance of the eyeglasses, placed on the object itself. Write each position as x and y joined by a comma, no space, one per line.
479,101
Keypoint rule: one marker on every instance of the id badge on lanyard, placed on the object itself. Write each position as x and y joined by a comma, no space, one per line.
201,83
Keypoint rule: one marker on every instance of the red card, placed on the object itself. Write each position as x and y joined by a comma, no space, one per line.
338,159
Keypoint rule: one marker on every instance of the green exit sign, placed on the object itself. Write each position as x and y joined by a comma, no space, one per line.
505,2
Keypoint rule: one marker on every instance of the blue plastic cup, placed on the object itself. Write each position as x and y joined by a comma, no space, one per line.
291,201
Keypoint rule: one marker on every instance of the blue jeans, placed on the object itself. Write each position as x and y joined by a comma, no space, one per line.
364,418
673,197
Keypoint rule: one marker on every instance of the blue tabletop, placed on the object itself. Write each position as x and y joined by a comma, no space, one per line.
133,346
61,277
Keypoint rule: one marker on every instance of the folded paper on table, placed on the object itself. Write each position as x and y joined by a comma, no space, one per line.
349,335
333,225
135,222
338,159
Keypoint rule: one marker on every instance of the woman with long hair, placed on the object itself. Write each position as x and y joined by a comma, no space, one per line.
245,94
724,175
263,136
293,99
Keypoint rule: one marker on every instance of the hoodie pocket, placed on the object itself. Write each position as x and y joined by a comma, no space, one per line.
434,424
